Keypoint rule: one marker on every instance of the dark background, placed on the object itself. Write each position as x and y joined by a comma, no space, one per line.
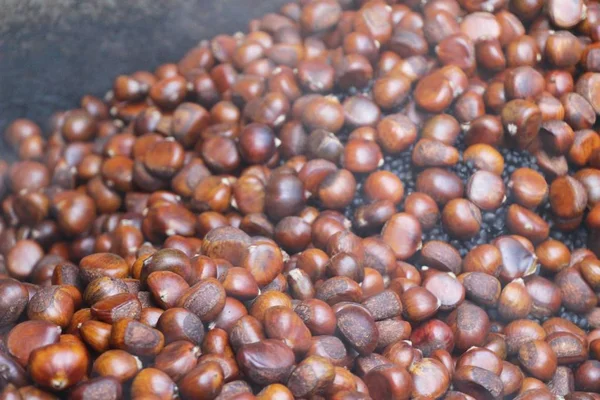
54,51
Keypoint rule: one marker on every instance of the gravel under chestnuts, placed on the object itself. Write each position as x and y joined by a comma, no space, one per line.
357,199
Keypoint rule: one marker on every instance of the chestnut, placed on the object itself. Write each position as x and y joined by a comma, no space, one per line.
98,388
430,378
313,375
151,381
204,381
136,338
284,324
389,382
267,361
538,359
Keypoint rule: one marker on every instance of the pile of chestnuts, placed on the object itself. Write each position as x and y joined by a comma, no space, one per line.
357,199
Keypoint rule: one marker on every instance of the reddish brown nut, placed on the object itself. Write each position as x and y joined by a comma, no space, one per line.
579,113
20,129
431,153
522,120
317,316
529,187
443,127
282,323
478,382
419,304
59,366
331,348
384,185
136,338
441,256
13,300
263,260
585,376
246,330
227,364
166,260
177,359
484,258
275,390
216,342
391,331
586,87
153,382
515,302
461,218
520,332
180,324
166,287
371,217
403,234
96,334
517,259
323,113
389,382
384,305
391,91
349,316
320,16
212,193
97,388
553,255
482,358
267,361
545,295
590,271
103,264
565,15
470,324
239,283
395,133
440,184
481,288
117,363
339,289
489,54
28,336
576,293
361,156
524,222
430,378
424,208
431,336
203,382
116,307
486,129
52,304
206,299
313,375
589,177
538,358
335,191
569,348
446,288
568,197
434,93
523,83
557,137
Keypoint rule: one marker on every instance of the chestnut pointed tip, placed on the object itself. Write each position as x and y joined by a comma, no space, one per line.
59,383
196,351
138,362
